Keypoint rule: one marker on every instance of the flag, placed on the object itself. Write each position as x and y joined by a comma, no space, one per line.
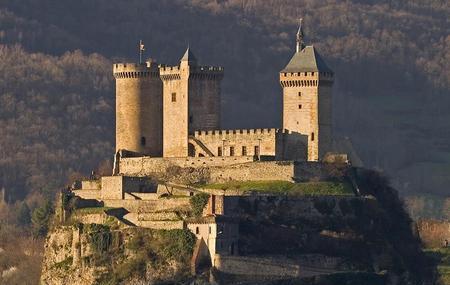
141,46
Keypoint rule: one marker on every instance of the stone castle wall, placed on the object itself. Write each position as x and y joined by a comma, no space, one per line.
222,169
325,135
256,171
249,142
204,98
144,166
257,266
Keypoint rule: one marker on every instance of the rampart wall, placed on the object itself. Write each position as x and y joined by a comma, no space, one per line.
246,142
270,170
257,266
222,169
143,166
141,206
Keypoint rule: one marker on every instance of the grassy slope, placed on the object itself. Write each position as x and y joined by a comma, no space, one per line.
284,187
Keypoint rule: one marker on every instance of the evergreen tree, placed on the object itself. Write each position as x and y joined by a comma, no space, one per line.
23,215
41,218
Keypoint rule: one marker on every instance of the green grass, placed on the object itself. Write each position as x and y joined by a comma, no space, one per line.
173,197
442,257
284,187
65,264
92,210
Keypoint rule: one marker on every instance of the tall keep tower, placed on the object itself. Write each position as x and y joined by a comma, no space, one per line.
191,100
307,84
138,108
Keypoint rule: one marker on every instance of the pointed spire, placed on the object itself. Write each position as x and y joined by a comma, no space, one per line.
300,37
189,57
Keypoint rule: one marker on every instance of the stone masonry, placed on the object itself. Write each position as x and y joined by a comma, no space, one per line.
174,111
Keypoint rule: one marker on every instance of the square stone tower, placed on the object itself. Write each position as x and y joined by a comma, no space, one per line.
307,114
191,101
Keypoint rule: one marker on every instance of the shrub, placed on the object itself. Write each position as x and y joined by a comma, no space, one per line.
198,203
179,244
135,266
65,264
99,236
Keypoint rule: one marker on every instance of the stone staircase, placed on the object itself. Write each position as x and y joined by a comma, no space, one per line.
154,210
199,144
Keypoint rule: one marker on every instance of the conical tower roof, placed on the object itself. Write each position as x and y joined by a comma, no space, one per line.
189,57
307,60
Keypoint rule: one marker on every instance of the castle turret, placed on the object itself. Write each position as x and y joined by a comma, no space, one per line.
307,84
191,102
138,108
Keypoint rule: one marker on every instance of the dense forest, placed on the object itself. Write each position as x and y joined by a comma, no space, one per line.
390,58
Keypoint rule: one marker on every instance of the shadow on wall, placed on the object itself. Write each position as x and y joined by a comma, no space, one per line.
292,146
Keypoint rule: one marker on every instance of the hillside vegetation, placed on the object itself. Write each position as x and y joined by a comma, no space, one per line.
391,62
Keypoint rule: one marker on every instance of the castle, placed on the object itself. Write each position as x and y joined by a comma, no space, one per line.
174,111
169,144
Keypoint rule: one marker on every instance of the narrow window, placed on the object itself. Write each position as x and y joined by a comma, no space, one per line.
300,106
231,150
299,94
256,150
197,230
209,229
244,151
312,73
174,97
219,151
312,136
143,141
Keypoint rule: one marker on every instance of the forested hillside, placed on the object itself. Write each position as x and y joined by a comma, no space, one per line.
391,60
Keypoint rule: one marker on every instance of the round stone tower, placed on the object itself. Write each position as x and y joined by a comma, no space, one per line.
138,108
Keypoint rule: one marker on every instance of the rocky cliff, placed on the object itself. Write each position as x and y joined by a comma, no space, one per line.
307,239
88,254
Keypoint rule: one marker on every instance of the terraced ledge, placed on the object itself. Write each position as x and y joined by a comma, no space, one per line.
282,187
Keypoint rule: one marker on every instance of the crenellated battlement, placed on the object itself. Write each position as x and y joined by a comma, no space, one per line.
206,72
207,69
135,70
305,79
169,72
168,69
226,133
195,72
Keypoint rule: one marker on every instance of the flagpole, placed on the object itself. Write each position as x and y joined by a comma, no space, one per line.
140,52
